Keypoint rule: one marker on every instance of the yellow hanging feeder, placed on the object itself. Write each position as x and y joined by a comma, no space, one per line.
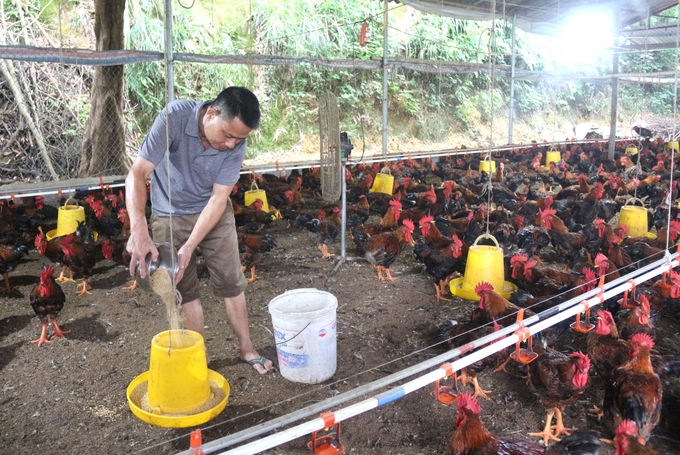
383,183
254,194
484,263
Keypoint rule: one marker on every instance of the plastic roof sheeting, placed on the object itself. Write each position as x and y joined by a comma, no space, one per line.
544,17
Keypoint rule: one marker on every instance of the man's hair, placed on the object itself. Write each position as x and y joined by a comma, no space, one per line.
238,102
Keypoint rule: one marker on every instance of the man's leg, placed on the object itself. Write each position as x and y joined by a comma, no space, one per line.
238,317
192,315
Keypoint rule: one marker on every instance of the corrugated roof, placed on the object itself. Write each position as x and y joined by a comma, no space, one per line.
545,17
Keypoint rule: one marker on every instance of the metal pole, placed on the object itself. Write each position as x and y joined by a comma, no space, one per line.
343,224
512,82
384,62
169,74
615,89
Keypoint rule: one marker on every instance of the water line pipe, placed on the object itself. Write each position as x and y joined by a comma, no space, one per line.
118,181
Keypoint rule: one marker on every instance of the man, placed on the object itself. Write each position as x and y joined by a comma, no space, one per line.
190,202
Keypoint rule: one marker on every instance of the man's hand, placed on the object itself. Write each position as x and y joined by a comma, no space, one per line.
183,258
139,245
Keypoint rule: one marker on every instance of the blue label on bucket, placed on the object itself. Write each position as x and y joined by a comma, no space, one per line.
289,360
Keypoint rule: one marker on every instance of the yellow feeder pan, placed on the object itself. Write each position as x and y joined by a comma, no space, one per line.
487,166
632,150
53,233
179,390
673,145
484,263
254,194
383,183
635,218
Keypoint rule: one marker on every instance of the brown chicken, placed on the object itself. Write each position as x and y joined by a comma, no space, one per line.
382,249
9,258
493,306
80,255
634,391
558,380
251,247
47,300
605,349
52,250
626,443
635,320
323,232
473,438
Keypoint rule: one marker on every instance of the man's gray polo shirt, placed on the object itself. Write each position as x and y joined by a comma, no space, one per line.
193,169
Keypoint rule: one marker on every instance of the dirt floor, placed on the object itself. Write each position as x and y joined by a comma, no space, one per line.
68,396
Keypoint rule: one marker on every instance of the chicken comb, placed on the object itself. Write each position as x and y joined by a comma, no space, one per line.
547,212
643,339
584,360
606,316
424,220
599,259
46,271
409,225
644,303
588,273
395,203
519,257
626,427
599,222
39,238
467,401
483,286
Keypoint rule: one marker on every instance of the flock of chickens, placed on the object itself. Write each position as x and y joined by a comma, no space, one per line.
555,224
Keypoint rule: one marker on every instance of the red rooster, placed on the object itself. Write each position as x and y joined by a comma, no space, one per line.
382,249
473,438
47,300
558,380
9,258
634,391
626,443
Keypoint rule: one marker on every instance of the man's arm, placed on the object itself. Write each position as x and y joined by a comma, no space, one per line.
207,220
139,243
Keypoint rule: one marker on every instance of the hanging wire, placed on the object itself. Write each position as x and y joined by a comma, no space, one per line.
675,110
492,85
179,2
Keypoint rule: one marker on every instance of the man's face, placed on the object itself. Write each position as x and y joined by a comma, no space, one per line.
223,135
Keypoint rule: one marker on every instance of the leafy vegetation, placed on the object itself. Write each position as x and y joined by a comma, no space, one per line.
430,106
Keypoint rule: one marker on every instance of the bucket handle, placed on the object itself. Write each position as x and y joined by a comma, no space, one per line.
487,236
254,184
75,201
487,158
636,199
286,341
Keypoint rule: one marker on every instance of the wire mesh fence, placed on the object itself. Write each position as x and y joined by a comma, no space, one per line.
44,112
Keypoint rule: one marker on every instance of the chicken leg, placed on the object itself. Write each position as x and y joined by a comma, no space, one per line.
83,290
547,433
6,288
43,336
62,278
324,251
253,278
57,331
559,427
131,287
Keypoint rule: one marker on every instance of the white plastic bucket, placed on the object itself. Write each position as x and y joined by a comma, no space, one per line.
305,334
